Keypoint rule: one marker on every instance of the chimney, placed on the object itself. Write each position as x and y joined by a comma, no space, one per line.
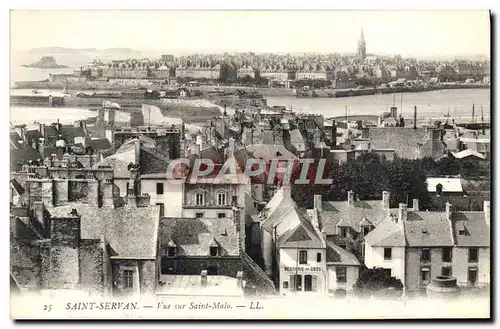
204,279
318,202
334,134
350,197
403,213
108,200
196,149
386,198
449,210
42,129
137,151
287,190
415,205
415,117
239,276
232,145
487,212
312,214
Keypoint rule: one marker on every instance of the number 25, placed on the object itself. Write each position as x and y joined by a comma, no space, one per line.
47,308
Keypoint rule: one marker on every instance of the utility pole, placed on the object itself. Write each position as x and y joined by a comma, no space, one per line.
346,114
482,119
473,115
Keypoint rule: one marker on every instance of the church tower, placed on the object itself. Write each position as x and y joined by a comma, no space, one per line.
362,47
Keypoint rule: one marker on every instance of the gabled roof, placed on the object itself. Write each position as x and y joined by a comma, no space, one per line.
302,235
131,232
387,233
18,187
270,152
477,232
467,153
336,255
119,161
279,205
351,215
194,236
99,143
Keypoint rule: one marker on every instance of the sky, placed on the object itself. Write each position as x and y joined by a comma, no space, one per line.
408,33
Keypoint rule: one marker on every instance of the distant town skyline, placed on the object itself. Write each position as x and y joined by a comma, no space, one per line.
431,33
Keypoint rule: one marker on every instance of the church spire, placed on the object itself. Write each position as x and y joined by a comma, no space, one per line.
362,46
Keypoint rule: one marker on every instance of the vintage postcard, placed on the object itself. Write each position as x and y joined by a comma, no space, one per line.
250,164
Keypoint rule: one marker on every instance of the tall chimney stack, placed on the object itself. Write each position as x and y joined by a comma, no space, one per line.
350,197
403,212
318,202
204,279
448,210
386,198
415,117
415,205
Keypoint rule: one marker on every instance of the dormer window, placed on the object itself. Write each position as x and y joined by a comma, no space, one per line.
214,251
171,251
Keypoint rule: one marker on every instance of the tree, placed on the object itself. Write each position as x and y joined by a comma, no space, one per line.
377,282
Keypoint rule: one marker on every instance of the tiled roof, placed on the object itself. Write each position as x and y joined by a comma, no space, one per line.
336,255
476,230
351,214
194,236
427,229
131,232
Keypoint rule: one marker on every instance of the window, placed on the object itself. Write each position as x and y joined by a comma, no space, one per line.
387,253
425,274
285,284
199,215
439,189
128,279
318,257
159,188
221,215
341,274
366,230
446,271
310,283
473,255
171,251
426,255
296,282
447,254
302,257
200,199
343,232
128,186
221,199
235,200
472,276
162,209
214,251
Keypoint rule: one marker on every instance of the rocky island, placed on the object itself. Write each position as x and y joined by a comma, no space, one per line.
46,62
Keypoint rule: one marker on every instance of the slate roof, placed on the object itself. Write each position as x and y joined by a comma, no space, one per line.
72,131
302,234
131,232
30,134
407,142
477,231
450,184
152,163
99,143
386,234
270,152
22,156
336,255
276,208
194,236
428,229
119,161
353,215
17,186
